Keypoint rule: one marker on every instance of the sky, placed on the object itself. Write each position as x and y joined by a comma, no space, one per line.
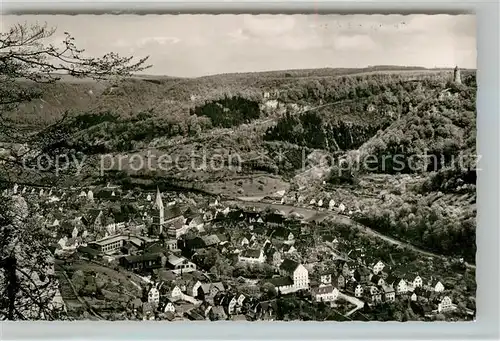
198,45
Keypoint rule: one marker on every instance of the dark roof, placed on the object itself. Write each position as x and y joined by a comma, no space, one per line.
194,315
362,271
120,217
195,243
325,289
141,258
105,194
251,253
155,248
172,212
222,237
274,218
375,279
289,265
89,250
190,213
391,279
91,216
280,281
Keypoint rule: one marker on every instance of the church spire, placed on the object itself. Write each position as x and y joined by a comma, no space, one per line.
158,201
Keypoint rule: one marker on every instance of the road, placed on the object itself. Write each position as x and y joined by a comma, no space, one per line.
351,299
319,215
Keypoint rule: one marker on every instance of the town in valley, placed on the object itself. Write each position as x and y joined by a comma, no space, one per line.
323,191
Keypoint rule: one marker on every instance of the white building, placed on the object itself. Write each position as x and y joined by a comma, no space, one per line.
326,293
252,256
445,305
154,296
418,282
402,287
439,287
297,272
358,291
378,267
331,204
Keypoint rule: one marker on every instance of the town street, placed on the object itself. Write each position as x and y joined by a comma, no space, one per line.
357,302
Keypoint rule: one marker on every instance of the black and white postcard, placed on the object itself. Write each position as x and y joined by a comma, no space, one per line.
238,167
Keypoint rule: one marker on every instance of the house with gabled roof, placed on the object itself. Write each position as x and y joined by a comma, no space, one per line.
326,293
438,287
362,275
373,294
179,264
378,267
140,262
252,256
358,290
283,284
389,293
339,281
343,267
377,280
297,272
401,287
445,305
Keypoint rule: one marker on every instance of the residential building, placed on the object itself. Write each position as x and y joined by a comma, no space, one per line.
252,256
176,293
339,281
297,272
439,287
378,267
362,275
179,264
326,278
283,284
401,287
358,291
389,293
232,305
326,293
140,262
154,296
445,305
377,280
417,282
169,307
374,294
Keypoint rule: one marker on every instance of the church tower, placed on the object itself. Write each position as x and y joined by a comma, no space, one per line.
158,212
456,76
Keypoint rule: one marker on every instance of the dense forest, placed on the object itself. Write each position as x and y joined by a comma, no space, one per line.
229,111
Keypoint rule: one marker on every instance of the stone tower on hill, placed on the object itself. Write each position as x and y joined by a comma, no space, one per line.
456,76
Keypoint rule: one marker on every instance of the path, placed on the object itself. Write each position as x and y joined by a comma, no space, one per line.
351,299
315,214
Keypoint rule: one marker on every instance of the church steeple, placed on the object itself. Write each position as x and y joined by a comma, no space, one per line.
159,216
158,201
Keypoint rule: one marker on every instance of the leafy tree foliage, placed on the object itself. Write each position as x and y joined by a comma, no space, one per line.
28,286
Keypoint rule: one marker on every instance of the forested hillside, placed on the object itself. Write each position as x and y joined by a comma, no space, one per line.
415,122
